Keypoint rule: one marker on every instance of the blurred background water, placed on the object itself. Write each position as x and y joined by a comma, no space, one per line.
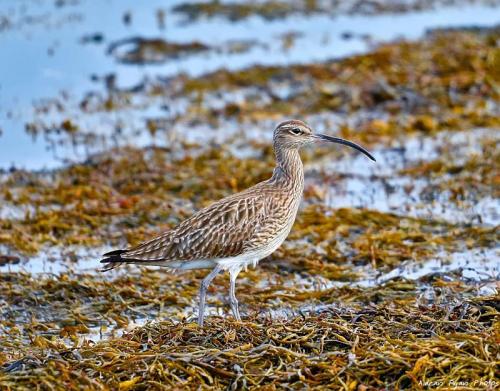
59,49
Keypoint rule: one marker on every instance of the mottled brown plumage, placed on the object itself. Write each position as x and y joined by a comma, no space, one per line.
240,229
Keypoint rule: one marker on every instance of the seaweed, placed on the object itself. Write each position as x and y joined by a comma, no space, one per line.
138,193
446,81
325,311
151,50
382,337
277,9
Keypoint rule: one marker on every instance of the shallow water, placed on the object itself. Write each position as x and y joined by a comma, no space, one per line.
383,188
40,64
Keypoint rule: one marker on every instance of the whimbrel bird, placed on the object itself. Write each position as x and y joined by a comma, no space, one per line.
238,230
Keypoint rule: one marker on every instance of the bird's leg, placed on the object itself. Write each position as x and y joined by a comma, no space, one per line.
233,302
203,292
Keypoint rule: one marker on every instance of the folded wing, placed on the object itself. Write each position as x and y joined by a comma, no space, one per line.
223,229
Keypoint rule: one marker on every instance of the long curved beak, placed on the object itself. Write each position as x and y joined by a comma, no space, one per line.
337,140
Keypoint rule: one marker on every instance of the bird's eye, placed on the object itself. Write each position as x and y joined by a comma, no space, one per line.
295,131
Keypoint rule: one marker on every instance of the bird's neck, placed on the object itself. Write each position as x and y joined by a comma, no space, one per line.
289,171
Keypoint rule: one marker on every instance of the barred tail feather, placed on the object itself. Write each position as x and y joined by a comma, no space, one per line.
113,259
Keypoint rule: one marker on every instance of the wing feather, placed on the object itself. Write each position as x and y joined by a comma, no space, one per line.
223,229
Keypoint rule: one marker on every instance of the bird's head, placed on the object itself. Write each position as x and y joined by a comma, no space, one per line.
294,134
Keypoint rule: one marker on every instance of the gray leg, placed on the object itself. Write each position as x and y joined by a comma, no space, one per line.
203,292
233,274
